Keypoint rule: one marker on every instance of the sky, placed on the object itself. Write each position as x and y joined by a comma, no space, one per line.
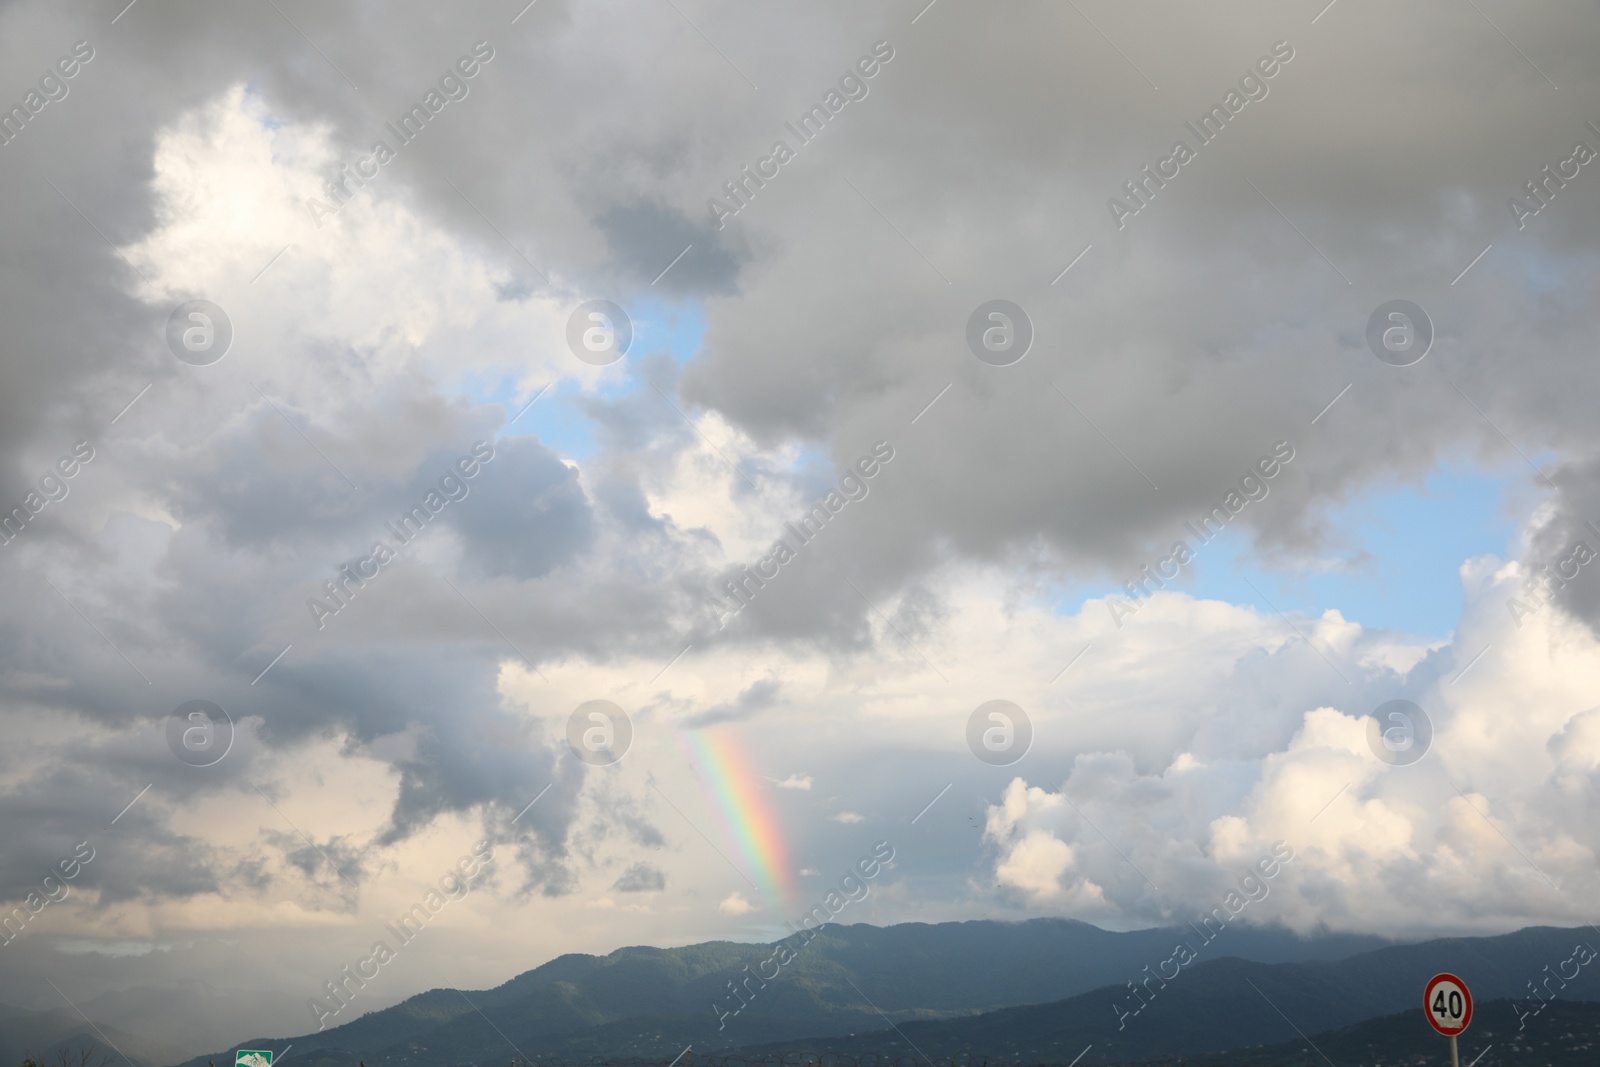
978,312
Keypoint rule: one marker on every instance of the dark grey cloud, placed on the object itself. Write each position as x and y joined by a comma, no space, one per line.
331,869
758,697
641,878
654,237
529,514
1560,572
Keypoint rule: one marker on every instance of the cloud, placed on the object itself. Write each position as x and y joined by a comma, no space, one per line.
530,516
758,697
1035,864
735,904
1354,823
641,878
653,236
794,781
848,818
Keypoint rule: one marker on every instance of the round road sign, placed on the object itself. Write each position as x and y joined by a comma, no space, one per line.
1447,1004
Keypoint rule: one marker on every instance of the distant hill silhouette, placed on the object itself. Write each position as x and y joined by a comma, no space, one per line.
1041,991
41,1033
650,1001
1228,1003
1562,1034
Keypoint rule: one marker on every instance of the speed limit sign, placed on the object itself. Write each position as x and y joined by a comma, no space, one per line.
1448,1004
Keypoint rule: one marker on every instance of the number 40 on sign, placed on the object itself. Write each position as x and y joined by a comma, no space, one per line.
1448,1005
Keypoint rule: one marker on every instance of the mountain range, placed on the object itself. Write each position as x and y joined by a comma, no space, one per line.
1229,1002
1040,991
645,1001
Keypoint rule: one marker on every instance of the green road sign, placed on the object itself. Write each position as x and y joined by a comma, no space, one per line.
247,1057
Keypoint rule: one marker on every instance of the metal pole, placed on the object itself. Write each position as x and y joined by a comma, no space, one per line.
1455,1059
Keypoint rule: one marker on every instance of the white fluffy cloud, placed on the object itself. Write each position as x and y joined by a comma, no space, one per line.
735,904
1491,829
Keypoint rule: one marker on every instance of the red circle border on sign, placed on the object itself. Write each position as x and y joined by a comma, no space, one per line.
1427,995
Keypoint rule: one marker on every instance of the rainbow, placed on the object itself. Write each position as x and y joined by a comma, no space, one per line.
734,788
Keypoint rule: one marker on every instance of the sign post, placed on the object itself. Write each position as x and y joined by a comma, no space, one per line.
1448,1006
